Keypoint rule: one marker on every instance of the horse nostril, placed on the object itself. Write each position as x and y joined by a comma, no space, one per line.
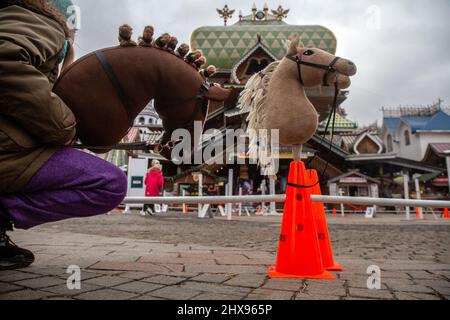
351,63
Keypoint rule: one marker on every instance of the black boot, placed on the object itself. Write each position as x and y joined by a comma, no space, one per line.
11,256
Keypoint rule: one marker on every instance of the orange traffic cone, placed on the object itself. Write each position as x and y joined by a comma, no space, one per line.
334,212
446,214
298,252
320,220
417,213
185,209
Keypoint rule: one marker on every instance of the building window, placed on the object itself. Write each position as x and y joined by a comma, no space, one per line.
407,138
141,120
390,144
150,121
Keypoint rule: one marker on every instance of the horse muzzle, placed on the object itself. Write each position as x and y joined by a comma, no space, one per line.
346,67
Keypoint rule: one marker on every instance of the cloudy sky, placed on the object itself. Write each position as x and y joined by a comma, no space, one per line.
401,47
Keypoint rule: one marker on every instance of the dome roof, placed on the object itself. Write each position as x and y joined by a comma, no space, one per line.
340,124
224,46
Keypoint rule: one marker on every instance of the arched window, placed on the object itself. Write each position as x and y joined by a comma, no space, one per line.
407,138
141,120
390,144
150,120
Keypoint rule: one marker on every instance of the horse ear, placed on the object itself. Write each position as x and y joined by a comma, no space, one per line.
217,93
294,45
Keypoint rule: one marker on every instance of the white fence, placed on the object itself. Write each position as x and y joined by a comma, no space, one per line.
219,200
282,198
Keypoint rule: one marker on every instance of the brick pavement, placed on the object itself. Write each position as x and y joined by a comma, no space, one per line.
123,268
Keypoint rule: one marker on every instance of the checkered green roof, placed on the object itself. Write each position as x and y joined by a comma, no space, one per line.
225,46
340,123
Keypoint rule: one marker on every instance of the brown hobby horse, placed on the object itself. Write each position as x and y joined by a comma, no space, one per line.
107,96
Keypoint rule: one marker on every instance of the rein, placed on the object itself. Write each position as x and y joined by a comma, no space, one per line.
329,69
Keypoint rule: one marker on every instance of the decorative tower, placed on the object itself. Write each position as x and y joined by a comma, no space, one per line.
254,11
266,11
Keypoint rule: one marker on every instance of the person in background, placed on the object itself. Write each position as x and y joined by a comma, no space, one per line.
154,183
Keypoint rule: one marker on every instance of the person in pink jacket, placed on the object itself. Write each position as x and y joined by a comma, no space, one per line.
154,183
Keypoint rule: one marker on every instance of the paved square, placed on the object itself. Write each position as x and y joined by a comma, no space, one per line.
181,257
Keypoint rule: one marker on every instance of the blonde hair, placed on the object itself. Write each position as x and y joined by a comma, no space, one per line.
156,165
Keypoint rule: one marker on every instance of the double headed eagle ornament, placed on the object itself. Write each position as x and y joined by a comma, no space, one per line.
225,13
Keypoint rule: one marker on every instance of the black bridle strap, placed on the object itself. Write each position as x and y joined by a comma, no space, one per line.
299,186
114,81
299,70
328,68
297,60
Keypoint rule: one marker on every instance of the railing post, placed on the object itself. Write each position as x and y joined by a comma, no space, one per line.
200,193
230,193
263,193
240,203
273,206
406,191
418,196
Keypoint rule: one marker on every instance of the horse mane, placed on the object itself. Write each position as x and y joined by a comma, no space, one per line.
253,101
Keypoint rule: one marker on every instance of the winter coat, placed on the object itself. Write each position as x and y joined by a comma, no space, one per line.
154,183
34,122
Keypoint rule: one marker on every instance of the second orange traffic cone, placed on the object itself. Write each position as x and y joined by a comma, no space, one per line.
446,214
298,252
334,212
320,219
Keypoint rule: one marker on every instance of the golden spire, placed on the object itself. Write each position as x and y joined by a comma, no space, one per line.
266,11
254,10
225,13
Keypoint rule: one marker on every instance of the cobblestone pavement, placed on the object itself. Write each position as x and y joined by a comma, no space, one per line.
179,257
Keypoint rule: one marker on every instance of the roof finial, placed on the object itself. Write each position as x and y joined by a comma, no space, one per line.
266,11
254,10
280,13
225,13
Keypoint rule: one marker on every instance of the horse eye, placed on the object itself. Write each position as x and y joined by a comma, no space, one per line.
308,53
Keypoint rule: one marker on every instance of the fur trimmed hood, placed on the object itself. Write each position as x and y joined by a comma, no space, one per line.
43,7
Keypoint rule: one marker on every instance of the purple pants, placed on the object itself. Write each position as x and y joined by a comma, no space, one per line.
72,184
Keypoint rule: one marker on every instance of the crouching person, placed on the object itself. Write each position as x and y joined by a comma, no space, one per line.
42,179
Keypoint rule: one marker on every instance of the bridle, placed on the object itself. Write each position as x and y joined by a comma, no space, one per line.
158,147
328,70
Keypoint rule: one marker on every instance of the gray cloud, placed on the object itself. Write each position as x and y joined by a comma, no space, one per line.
405,61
